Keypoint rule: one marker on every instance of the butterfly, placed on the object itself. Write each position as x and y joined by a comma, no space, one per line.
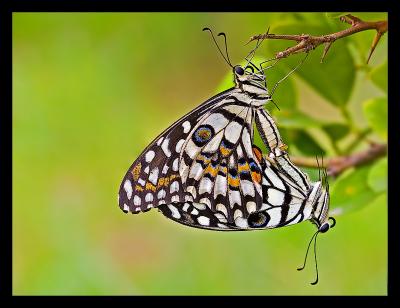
204,171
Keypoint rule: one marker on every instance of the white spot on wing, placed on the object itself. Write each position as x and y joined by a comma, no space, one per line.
275,197
199,206
234,198
137,200
206,201
196,171
241,223
203,220
149,156
247,188
217,121
232,131
238,213
175,164
174,187
153,177
186,126
160,140
251,206
185,207
165,169
165,147
178,146
174,211
128,189
161,194
275,214
220,217
149,197
205,185
126,208
220,207
220,186
192,190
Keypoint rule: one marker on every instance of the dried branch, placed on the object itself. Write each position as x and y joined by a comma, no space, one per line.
306,42
337,165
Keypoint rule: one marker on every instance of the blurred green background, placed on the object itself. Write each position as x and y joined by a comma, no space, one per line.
91,90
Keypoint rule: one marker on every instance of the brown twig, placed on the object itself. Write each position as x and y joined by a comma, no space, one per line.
306,42
337,165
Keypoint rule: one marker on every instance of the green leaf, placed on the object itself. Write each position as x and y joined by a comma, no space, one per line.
295,119
376,113
377,176
303,142
285,96
351,192
334,78
336,14
336,131
379,76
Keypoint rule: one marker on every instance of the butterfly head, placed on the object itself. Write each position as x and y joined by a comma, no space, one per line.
250,82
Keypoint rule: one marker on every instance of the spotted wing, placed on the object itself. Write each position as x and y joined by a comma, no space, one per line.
154,179
286,190
220,170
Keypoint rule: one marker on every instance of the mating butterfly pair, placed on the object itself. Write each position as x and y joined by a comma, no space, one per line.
204,171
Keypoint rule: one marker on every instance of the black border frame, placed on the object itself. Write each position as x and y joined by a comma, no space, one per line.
8,7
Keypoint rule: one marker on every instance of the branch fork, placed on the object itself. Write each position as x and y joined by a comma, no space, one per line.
306,42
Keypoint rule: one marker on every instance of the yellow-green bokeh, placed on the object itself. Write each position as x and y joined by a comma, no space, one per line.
90,91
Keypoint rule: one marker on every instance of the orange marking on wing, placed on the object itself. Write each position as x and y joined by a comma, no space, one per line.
138,188
160,182
211,170
150,186
257,153
244,168
136,171
233,181
173,176
256,177
224,151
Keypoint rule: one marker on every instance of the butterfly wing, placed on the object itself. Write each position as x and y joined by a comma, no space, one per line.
219,169
285,193
153,178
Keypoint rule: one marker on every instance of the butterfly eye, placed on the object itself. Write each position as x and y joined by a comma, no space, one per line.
324,228
239,70
258,220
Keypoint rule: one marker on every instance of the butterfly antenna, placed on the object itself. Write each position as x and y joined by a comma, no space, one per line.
253,51
315,257
319,168
325,175
226,47
291,72
275,104
308,248
216,44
